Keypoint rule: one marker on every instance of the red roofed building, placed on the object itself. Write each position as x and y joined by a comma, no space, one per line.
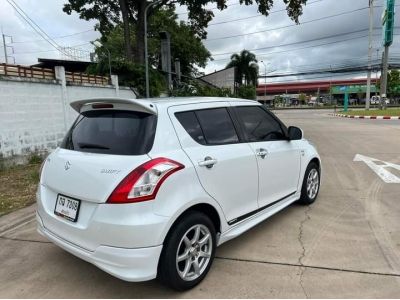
268,92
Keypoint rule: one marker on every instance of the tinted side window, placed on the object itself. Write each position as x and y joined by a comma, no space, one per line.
217,126
258,125
189,121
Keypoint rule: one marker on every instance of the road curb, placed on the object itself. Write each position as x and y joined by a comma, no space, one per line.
367,117
15,219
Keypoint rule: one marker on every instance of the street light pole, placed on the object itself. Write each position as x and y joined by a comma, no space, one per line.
109,60
146,55
97,44
265,81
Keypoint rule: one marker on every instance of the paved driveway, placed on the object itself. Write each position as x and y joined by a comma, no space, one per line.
345,245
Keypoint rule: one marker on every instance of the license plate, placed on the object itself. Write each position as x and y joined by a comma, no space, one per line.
67,208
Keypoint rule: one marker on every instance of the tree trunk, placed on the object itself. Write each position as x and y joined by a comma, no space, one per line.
139,47
127,33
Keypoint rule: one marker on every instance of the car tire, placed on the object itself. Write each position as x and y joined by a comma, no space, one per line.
311,184
187,258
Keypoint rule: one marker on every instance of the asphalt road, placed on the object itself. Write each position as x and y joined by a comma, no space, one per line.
347,244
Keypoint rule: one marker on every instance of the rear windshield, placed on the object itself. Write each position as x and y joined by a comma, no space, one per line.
112,132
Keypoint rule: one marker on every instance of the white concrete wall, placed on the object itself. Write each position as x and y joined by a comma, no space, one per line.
32,113
223,78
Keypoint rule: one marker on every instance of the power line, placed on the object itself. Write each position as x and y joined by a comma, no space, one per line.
260,15
55,38
296,43
287,26
34,26
290,25
50,50
305,47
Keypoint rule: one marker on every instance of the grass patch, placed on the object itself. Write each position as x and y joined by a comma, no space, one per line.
35,159
18,187
374,112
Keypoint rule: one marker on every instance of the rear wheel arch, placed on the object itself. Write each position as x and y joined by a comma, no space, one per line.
206,209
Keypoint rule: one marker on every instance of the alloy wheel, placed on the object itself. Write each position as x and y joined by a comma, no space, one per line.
194,252
312,183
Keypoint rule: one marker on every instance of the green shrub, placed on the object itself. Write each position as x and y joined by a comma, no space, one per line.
35,159
247,92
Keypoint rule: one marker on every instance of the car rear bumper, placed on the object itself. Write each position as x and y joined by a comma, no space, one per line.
138,264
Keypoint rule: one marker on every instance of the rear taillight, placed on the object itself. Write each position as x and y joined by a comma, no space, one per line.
143,183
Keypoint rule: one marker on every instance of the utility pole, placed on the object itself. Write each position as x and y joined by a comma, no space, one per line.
371,21
385,59
146,54
165,38
376,74
388,23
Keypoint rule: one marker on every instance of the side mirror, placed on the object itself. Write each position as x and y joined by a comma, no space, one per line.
295,133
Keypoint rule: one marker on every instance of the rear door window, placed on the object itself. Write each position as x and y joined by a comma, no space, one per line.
209,126
191,124
112,132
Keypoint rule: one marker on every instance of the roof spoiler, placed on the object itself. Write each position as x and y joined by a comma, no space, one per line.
139,105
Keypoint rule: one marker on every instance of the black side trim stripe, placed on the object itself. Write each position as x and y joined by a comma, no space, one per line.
245,216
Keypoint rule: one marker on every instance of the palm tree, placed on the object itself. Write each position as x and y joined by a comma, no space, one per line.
246,67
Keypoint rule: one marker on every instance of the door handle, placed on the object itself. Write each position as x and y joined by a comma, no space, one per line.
208,162
262,152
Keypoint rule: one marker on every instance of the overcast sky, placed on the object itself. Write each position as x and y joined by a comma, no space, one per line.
281,45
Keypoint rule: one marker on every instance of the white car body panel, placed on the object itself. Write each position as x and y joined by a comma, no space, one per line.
222,182
278,171
126,240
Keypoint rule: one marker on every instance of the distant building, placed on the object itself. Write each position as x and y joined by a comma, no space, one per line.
324,91
69,65
225,78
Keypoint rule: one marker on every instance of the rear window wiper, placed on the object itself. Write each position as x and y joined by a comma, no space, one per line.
92,146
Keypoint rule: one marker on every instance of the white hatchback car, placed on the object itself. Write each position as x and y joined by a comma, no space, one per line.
149,188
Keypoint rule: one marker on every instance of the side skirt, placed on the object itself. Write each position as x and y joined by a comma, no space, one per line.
248,221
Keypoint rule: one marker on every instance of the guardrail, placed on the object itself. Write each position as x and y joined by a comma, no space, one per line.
27,72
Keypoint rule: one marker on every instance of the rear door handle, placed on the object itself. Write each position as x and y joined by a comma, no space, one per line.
262,152
208,162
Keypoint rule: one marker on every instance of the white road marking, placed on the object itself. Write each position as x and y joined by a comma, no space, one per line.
379,169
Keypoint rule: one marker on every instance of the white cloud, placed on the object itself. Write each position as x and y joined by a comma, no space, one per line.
49,15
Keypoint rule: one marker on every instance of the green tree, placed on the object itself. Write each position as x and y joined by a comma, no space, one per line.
185,46
246,67
393,86
130,14
302,98
131,75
